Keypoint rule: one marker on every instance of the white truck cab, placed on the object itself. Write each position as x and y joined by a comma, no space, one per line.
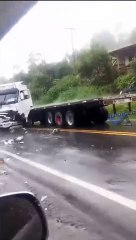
16,97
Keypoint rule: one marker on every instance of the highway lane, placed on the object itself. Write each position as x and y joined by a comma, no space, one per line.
100,198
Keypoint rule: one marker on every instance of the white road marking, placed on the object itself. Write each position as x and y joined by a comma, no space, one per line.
129,203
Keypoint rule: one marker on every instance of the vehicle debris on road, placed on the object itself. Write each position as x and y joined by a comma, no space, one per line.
43,198
26,182
19,139
55,131
3,172
10,119
1,160
12,130
25,130
11,141
59,220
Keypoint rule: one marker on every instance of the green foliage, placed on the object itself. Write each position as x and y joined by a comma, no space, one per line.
21,76
62,69
73,89
60,86
55,82
95,65
122,108
124,81
133,65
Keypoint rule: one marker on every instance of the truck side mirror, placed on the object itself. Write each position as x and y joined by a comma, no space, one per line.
21,96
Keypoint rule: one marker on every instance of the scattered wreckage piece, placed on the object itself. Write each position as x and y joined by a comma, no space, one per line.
19,139
1,160
10,119
12,141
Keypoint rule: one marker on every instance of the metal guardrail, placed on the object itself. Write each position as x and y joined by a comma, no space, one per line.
121,114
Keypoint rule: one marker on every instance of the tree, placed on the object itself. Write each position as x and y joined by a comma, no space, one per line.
124,81
62,69
20,77
95,65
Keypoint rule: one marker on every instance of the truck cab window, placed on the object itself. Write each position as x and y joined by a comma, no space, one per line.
8,97
11,98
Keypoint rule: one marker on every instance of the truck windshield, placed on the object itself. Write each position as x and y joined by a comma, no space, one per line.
8,98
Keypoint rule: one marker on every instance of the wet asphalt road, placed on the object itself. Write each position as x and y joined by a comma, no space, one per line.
74,211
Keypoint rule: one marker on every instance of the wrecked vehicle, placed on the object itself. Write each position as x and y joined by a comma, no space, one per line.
16,109
15,104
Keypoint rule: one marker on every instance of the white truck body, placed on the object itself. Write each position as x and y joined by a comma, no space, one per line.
15,97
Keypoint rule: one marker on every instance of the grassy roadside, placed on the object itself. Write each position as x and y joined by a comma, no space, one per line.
123,108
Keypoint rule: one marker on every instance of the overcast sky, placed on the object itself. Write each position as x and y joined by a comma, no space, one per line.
43,29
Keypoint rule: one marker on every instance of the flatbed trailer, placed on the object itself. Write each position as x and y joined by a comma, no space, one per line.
77,113
16,107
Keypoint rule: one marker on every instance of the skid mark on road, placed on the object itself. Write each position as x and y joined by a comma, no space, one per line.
126,202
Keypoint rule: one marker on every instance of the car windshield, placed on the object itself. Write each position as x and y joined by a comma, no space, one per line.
8,98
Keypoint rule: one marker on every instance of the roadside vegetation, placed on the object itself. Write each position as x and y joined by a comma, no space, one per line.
87,74
121,108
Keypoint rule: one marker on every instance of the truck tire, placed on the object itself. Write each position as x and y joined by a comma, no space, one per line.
50,119
70,119
59,119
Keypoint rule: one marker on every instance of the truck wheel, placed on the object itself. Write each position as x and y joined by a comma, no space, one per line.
59,121
70,118
50,119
